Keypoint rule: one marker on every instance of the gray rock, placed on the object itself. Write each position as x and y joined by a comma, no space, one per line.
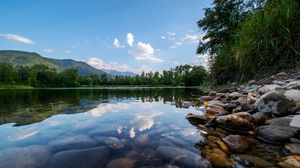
252,82
251,89
74,142
114,143
293,85
35,156
212,93
288,121
294,96
259,118
182,157
82,158
280,83
268,88
205,98
274,102
292,149
186,104
276,134
121,162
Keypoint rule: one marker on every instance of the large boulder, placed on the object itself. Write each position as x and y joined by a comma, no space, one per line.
268,88
288,121
73,142
293,85
294,96
82,158
241,121
274,102
276,134
182,157
35,156
238,143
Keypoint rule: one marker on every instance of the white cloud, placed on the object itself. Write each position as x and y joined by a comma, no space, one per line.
67,51
48,50
163,37
117,44
130,39
171,33
17,38
144,52
202,60
175,62
100,64
187,39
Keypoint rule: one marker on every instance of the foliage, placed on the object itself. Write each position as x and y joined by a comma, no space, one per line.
43,76
263,39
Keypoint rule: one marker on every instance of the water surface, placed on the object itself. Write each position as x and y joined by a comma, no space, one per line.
130,123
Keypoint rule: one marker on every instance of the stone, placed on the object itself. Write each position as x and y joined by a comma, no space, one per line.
218,158
251,89
276,134
290,162
280,83
288,121
274,102
80,158
259,118
114,143
268,88
223,146
142,140
294,96
212,93
182,157
251,98
293,85
252,82
121,162
186,104
205,98
196,119
255,161
35,156
241,121
293,149
73,142
238,143
235,95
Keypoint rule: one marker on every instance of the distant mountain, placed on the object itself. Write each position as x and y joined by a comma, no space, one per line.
22,58
119,73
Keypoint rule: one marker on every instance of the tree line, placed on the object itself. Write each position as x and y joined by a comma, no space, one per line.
249,39
43,76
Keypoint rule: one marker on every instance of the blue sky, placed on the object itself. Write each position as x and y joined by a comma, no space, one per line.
133,35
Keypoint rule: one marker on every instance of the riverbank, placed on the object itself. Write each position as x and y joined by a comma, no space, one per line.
256,124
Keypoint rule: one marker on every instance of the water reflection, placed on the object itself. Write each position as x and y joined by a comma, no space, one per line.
119,125
29,106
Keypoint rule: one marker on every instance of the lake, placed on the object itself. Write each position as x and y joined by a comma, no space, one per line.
120,127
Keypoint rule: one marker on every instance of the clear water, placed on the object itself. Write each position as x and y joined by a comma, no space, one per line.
142,119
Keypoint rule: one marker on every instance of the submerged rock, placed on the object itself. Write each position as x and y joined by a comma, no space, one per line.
182,157
82,158
121,162
255,161
241,121
74,142
199,119
276,134
35,156
186,104
114,143
218,158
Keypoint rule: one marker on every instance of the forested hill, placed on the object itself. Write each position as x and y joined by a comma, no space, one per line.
22,58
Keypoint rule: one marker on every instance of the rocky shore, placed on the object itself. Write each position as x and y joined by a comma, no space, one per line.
254,125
